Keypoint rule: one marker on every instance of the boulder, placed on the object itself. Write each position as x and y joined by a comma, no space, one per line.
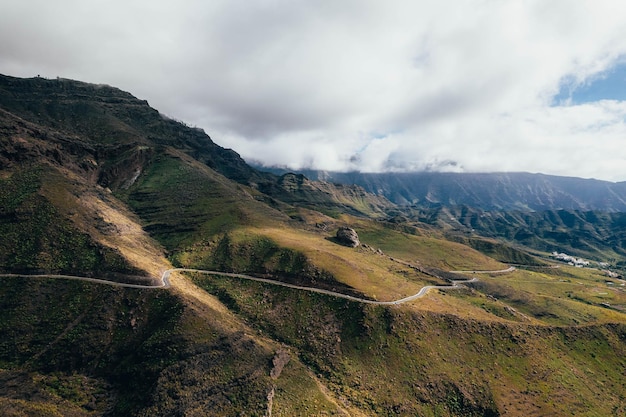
280,360
348,237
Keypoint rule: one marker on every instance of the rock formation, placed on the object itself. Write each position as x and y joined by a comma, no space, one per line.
348,237
279,361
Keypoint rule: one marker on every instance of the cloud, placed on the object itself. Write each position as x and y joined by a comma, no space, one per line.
344,85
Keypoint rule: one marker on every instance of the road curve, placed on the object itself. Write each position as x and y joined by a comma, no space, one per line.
500,271
419,294
165,283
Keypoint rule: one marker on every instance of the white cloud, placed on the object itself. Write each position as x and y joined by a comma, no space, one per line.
454,85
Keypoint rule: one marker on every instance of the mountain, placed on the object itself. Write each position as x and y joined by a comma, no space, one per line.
486,191
95,183
112,133
591,234
547,213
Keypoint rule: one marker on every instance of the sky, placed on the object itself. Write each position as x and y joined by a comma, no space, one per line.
366,85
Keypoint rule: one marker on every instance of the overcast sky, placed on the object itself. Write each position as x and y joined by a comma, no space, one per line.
453,85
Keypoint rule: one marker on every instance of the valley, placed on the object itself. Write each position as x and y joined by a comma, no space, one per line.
144,270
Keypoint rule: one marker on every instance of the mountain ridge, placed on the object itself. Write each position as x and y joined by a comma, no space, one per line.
115,134
486,191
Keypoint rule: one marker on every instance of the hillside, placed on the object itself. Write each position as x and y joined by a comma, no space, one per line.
95,183
546,213
591,234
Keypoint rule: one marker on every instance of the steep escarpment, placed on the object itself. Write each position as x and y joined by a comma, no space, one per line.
112,135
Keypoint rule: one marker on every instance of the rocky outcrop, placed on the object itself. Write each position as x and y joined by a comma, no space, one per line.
280,360
348,237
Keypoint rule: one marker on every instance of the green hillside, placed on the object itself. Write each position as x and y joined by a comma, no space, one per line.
95,183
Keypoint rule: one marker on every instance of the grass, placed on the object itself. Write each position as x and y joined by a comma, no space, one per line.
38,237
385,359
381,361
573,296
182,202
533,342
542,296
429,249
310,258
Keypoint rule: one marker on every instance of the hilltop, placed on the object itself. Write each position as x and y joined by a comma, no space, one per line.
94,182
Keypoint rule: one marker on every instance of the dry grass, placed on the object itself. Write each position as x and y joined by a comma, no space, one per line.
563,296
372,274
107,220
429,249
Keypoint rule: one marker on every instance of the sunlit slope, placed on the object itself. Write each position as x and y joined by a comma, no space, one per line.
182,201
208,222
415,362
427,247
554,296
301,252
94,181
385,273
54,222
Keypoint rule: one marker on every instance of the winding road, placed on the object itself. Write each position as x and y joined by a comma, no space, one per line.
165,283
499,271
165,280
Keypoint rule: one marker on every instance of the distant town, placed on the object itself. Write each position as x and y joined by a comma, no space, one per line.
582,263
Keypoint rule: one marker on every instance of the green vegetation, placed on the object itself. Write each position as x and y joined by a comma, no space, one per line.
86,171
333,200
428,248
254,253
36,238
389,361
563,296
500,251
591,234
67,332
182,202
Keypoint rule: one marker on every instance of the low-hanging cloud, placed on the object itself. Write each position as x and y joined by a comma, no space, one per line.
350,85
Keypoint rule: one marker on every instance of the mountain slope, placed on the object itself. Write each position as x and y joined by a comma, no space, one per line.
111,121
62,192
592,234
546,213
115,133
94,181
